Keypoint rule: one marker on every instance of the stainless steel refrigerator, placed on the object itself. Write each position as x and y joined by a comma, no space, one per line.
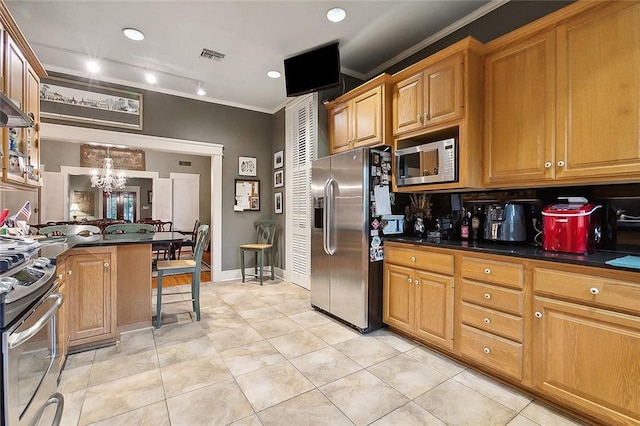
345,280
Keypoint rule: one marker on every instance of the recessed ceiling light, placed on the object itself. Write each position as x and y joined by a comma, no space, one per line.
336,14
201,91
133,34
93,66
273,74
151,79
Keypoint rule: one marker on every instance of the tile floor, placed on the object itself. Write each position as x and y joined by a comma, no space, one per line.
262,356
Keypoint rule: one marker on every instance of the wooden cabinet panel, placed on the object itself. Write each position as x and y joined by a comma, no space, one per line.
408,104
598,85
361,117
588,288
492,321
519,111
32,135
367,118
422,259
501,355
91,281
339,128
490,296
588,358
443,91
492,271
434,312
63,313
398,301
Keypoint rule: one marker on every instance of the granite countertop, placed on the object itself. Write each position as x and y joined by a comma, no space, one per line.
56,246
523,250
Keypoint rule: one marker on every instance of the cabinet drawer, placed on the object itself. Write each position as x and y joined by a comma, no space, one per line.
501,355
593,289
494,272
487,295
425,260
492,321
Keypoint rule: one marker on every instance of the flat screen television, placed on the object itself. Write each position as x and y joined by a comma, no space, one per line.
314,70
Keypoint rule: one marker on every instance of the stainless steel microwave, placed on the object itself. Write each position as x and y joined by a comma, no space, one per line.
434,162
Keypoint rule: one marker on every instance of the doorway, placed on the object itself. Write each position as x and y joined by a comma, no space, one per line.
120,205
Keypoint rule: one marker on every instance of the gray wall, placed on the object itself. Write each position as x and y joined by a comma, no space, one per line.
56,154
277,144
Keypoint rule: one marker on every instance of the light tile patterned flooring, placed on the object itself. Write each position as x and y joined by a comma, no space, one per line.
263,356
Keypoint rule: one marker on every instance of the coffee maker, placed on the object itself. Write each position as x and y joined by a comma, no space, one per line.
505,222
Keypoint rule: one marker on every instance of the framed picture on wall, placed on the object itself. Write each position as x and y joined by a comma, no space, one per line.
278,179
277,202
247,166
247,195
278,159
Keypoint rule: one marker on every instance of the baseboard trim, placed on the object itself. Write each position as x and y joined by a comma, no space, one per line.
236,274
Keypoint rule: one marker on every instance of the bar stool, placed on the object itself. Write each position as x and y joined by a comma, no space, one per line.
179,266
266,234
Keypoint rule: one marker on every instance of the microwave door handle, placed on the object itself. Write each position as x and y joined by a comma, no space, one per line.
56,398
16,339
331,213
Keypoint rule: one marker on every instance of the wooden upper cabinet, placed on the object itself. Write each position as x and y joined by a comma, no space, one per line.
32,135
429,97
561,100
598,116
519,111
361,117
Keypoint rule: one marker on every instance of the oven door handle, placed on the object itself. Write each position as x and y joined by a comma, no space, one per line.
56,398
16,339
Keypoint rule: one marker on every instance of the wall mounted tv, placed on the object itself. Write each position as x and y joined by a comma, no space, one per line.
312,71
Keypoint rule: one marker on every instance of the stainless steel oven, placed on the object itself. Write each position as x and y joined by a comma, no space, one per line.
30,359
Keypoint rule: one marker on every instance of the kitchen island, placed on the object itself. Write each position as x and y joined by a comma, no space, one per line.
107,282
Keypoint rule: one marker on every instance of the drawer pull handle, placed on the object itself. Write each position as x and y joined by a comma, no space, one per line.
60,276
416,282
413,258
106,264
547,164
538,314
487,296
487,321
487,271
560,163
409,280
594,290
487,351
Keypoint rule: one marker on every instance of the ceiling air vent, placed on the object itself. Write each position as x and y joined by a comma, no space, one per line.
184,163
211,54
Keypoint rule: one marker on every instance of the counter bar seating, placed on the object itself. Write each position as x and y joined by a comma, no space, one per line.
182,267
129,228
265,236
64,230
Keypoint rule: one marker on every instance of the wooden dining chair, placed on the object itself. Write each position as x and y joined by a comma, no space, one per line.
64,230
265,236
129,228
189,240
192,266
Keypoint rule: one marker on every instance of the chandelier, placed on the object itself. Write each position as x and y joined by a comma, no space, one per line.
107,180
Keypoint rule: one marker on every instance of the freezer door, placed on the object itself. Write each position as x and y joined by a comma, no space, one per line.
349,237
320,259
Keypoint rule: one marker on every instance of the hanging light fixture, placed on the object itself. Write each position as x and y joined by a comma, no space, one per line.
107,180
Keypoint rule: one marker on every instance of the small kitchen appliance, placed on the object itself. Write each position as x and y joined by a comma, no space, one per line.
505,222
572,226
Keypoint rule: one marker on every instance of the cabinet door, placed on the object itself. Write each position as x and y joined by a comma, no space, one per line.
434,304
91,293
367,118
63,313
339,132
408,107
598,117
588,358
443,91
32,106
398,299
519,111
16,66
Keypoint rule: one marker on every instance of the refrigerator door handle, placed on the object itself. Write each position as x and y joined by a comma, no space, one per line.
328,210
325,218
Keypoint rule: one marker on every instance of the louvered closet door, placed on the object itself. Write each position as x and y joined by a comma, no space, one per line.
301,119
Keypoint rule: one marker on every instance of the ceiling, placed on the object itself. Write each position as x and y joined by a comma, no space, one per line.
255,36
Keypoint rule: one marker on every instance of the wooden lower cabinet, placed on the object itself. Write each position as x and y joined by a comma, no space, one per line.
415,300
91,282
